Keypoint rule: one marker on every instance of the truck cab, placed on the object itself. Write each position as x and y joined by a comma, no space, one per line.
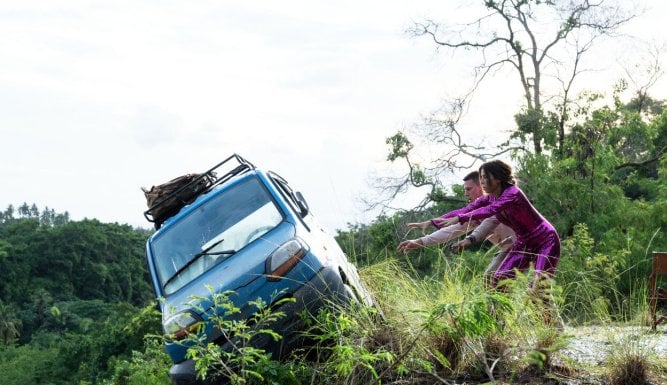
248,232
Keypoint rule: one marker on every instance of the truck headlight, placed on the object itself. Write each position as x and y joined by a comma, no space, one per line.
180,325
284,258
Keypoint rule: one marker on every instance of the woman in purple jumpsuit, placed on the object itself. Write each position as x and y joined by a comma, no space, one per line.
536,239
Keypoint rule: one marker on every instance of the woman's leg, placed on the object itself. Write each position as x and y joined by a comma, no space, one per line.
548,255
517,259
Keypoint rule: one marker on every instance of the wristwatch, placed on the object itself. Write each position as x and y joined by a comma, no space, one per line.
471,238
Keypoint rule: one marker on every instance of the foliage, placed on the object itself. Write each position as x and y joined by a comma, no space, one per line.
370,244
27,364
455,327
43,263
605,197
587,276
85,342
9,324
147,367
400,146
239,359
47,217
70,292
342,356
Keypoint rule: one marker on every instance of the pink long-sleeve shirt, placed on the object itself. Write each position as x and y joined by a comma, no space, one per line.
512,208
536,239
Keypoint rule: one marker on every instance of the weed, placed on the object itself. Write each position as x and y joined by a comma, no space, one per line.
630,360
238,360
632,371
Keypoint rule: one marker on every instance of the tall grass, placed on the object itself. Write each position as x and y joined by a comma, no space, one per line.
600,287
441,330
446,327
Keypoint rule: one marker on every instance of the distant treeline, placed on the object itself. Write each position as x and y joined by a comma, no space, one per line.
45,258
46,217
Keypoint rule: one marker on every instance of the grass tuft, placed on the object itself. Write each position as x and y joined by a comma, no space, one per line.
633,370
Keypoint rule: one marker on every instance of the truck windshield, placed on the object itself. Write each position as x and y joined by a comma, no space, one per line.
212,232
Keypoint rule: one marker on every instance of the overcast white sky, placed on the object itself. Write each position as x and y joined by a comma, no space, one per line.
99,98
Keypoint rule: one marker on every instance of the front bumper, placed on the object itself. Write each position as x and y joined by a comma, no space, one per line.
325,288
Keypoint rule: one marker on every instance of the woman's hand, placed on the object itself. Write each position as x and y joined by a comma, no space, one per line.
449,221
420,225
409,244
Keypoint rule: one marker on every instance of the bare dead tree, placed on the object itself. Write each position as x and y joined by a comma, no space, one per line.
564,105
522,34
645,73
540,41
391,187
455,154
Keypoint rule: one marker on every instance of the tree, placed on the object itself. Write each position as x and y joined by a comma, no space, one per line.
644,74
518,33
540,42
41,299
400,148
7,215
9,324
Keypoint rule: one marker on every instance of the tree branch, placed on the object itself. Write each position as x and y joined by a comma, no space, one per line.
644,162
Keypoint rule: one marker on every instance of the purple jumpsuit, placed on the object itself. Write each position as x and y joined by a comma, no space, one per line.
536,239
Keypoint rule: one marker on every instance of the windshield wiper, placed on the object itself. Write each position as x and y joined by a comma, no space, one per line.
230,252
206,251
195,257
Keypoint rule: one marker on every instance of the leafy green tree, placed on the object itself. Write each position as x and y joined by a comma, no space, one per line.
84,259
9,324
7,215
21,236
147,367
27,364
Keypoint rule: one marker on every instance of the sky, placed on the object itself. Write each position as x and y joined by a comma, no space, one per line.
101,98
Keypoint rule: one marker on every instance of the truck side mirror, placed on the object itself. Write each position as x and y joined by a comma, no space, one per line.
301,201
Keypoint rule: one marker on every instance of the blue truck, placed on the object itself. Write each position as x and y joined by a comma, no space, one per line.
247,232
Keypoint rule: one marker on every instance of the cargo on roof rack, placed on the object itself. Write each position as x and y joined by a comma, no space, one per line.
167,199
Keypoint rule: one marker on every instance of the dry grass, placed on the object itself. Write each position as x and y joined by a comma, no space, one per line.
454,332
633,370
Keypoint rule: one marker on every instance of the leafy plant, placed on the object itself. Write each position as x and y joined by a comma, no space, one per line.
238,360
346,344
147,367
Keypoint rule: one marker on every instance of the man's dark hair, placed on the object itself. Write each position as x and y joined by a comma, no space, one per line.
473,176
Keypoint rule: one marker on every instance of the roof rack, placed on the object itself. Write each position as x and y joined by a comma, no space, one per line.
210,179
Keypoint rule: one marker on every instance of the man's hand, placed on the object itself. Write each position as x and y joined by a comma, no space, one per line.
460,245
409,244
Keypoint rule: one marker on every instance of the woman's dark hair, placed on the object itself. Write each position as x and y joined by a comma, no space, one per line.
500,170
